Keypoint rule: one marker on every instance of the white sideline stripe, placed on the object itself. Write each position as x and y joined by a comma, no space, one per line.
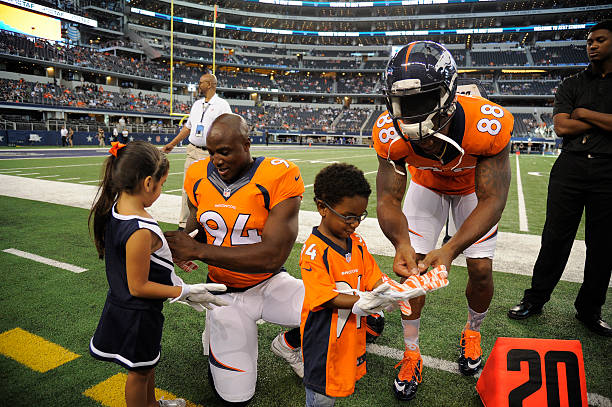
48,176
44,260
29,173
594,399
523,227
67,179
166,209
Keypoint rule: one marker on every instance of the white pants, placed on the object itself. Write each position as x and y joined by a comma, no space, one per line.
427,212
233,331
193,154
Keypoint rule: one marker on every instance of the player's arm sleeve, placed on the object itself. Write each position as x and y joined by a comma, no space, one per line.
318,285
501,139
289,185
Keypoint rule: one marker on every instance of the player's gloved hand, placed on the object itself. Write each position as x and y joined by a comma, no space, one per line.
198,296
372,302
432,280
403,292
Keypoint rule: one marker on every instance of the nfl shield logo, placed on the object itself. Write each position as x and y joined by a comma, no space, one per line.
347,257
227,192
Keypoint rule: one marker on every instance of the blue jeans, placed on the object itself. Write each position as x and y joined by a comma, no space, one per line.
314,399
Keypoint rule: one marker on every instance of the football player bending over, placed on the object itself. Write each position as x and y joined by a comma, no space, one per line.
456,149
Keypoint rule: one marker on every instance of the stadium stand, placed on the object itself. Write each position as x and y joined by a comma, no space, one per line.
303,83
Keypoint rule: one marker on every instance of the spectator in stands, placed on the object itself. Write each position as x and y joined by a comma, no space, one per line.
125,135
203,112
580,179
64,136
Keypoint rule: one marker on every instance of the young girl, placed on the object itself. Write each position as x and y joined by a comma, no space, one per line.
139,269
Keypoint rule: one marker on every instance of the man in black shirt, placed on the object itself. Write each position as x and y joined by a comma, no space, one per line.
581,179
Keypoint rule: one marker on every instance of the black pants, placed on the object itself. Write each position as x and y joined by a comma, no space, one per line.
576,183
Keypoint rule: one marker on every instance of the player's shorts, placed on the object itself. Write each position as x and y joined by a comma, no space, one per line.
233,354
427,212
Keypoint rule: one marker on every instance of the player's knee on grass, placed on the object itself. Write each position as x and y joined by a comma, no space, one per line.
211,381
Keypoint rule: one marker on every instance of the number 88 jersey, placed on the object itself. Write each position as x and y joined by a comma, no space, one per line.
236,214
482,128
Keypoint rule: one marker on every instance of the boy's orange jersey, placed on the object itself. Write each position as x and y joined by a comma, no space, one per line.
236,214
482,128
334,340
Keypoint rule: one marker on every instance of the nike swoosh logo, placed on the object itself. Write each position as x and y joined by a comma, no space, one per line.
310,269
298,177
399,387
473,366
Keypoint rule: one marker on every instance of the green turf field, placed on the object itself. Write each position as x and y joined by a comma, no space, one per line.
63,307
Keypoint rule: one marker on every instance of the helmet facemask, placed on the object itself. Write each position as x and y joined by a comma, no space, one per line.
414,110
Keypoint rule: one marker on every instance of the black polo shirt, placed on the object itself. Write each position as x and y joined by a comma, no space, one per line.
591,91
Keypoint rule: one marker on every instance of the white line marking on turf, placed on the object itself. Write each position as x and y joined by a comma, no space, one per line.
48,176
67,179
87,182
44,260
9,171
173,190
523,227
29,173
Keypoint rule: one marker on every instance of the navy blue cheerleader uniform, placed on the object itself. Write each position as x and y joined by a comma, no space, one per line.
130,328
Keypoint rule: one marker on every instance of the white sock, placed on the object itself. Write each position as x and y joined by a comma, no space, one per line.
411,333
475,319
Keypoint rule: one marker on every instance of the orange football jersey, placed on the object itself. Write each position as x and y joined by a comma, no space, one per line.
482,128
334,340
235,214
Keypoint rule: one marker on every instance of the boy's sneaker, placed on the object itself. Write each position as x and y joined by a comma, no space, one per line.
407,381
171,402
470,359
293,356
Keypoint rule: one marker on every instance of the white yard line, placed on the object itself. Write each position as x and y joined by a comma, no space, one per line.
523,226
44,260
51,166
48,176
67,179
515,253
28,173
173,190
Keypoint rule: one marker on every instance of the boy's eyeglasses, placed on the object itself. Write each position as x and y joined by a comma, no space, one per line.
347,219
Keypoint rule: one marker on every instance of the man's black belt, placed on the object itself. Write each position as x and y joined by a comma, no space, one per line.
590,155
200,147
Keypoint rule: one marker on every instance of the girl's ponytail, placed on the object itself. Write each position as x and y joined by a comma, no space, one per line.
103,203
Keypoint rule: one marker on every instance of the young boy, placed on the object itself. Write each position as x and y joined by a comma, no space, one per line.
343,284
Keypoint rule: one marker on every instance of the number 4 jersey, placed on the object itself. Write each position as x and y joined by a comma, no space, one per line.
334,340
236,214
482,128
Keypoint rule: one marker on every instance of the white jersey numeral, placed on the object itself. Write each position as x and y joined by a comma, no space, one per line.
278,161
344,314
215,225
311,251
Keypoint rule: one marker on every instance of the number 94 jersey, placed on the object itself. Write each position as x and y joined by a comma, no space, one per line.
236,214
482,128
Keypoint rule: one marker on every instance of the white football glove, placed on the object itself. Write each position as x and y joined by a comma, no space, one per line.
198,296
372,302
